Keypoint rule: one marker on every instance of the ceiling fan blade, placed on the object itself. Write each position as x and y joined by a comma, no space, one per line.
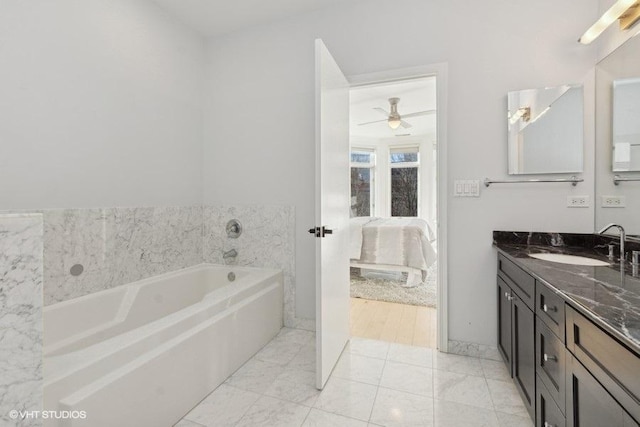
405,124
375,121
418,114
383,111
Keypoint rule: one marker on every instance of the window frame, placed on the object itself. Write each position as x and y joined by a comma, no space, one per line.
371,165
410,148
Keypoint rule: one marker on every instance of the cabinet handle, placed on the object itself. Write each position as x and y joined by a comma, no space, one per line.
546,308
508,296
546,424
547,358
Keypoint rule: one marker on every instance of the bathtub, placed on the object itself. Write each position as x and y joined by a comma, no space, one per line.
145,353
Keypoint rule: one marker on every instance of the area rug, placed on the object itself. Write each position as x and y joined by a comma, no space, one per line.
391,290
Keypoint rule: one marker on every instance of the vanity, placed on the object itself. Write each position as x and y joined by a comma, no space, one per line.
570,334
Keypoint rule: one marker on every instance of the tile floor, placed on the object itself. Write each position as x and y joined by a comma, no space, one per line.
375,383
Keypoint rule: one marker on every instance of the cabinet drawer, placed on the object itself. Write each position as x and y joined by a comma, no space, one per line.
614,365
519,280
588,403
547,412
550,308
550,363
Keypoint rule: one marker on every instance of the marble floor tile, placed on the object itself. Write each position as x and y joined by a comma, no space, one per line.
298,336
495,370
397,408
359,368
349,398
510,420
408,378
456,363
305,359
272,412
186,423
255,375
318,418
368,348
452,414
279,350
506,398
295,385
461,388
420,356
224,407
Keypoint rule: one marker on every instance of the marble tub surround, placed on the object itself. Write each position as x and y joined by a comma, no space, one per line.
267,240
610,295
116,246
20,316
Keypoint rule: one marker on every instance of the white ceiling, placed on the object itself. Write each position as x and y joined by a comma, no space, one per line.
415,95
216,17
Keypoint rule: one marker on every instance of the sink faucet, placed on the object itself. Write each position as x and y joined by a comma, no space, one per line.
230,254
623,237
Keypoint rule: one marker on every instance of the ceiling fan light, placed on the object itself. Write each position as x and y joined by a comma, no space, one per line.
394,123
394,120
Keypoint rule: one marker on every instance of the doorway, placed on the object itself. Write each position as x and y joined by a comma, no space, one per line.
396,136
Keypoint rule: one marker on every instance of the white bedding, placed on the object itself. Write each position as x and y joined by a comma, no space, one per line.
403,242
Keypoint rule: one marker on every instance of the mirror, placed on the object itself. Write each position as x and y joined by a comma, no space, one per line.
545,130
618,138
626,124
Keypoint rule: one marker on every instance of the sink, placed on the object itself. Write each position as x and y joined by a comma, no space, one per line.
570,259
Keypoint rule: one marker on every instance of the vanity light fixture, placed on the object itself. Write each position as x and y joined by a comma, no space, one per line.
523,113
628,11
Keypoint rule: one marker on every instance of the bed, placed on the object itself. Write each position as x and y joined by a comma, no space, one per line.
393,244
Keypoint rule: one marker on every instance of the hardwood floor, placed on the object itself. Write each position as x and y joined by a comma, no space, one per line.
399,323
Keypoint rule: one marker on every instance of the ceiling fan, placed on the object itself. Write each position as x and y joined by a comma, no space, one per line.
394,119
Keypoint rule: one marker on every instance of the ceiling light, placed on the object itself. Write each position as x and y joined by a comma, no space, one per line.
629,8
394,122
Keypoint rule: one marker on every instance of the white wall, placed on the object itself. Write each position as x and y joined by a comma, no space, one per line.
100,105
259,127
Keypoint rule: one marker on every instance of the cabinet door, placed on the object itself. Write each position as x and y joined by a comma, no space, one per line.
588,403
524,364
504,322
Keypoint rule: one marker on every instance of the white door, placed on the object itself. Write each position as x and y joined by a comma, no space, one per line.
332,213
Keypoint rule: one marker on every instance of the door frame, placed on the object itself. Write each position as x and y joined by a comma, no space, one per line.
438,70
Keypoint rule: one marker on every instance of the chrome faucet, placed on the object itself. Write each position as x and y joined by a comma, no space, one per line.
623,237
230,254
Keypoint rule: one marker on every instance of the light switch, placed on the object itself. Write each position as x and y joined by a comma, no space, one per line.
466,188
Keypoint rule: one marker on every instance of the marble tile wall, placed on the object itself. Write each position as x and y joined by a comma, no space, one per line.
267,240
116,246
20,317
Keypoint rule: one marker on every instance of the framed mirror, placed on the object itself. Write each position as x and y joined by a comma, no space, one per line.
546,130
618,138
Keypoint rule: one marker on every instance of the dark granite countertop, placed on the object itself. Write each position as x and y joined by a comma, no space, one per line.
610,295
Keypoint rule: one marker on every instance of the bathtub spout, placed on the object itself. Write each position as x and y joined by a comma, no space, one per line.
230,254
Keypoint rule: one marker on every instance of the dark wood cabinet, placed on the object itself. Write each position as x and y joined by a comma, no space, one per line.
568,369
547,412
516,329
523,346
588,402
504,322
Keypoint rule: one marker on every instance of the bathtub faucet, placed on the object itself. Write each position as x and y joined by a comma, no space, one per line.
230,254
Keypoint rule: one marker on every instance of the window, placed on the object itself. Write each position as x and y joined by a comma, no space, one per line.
405,167
362,182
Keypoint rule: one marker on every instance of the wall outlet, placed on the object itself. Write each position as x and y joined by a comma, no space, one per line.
578,201
614,202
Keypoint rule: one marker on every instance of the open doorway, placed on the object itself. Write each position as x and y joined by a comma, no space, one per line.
394,212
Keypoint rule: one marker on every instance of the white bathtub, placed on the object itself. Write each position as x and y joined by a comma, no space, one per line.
144,354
